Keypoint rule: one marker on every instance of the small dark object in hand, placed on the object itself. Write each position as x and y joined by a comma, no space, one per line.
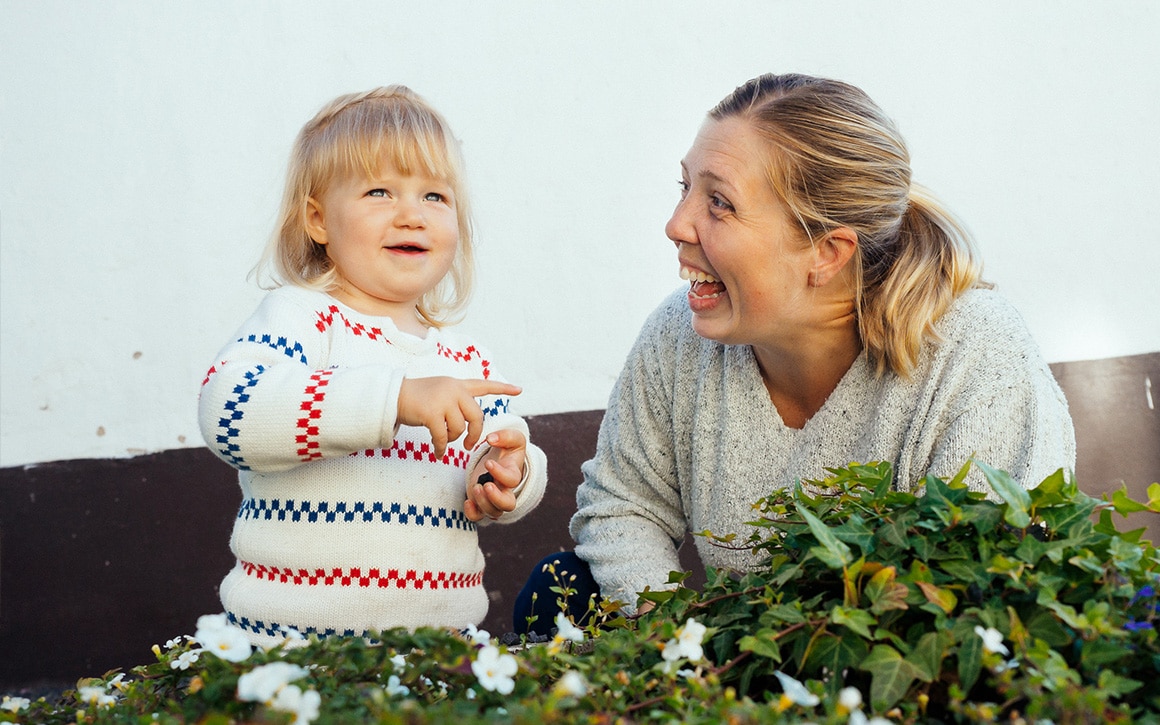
485,478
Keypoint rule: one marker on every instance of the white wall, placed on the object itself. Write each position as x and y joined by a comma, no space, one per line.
142,146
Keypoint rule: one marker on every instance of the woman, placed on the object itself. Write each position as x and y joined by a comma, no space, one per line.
835,313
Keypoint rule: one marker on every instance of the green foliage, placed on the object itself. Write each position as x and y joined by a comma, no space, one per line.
944,607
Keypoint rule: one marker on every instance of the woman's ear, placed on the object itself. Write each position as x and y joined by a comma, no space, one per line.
831,255
315,221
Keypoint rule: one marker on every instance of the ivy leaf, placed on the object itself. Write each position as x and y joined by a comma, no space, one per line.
959,481
855,531
966,571
762,644
970,661
832,552
1017,498
1050,491
857,620
1070,520
1099,653
944,599
1117,685
894,531
1123,504
884,592
928,655
890,676
837,654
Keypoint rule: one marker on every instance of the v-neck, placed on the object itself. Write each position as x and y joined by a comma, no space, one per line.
855,376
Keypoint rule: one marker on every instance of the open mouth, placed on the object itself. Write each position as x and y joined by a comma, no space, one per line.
701,284
406,248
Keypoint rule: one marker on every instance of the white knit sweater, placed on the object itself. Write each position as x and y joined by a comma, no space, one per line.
347,526
691,440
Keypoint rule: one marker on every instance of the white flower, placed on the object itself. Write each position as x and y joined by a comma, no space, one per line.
15,704
494,670
479,636
573,684
303,705
212,621
850,698
262,684
796,691
469,694
394,687
992,640
217,635
292,635
398,662
119,682
1004,666
686,644
566,630
857,718
95,695
184,660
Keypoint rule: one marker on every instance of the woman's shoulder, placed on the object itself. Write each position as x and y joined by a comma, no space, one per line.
980,315
671,317
983,330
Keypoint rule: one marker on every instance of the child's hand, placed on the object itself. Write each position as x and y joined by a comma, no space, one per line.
446,407
504,465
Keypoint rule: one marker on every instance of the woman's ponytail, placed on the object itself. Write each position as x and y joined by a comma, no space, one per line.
908,282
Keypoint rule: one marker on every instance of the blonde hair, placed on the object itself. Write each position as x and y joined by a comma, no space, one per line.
353,135
836,160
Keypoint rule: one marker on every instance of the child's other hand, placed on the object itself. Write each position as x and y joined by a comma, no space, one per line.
505,463
446,407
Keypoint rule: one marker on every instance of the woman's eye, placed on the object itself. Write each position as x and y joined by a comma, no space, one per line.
718,203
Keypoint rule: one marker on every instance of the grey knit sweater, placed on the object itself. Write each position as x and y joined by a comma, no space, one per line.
690,439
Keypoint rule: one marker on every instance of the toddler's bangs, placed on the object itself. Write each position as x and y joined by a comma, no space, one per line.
406,138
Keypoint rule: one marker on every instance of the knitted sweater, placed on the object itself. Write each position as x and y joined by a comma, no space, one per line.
348,522
690,438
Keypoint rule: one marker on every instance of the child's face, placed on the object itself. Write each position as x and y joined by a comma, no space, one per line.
391,239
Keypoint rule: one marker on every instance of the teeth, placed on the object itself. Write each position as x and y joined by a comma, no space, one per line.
692,275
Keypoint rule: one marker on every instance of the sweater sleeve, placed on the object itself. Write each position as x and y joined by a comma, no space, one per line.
630,518
271,403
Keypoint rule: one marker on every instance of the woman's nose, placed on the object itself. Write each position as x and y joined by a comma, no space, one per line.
680,227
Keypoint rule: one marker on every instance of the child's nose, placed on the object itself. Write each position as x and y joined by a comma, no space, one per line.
409,213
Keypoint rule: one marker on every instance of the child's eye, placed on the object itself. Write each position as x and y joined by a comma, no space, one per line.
377,192
435,196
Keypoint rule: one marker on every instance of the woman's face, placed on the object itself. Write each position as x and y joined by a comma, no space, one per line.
747,262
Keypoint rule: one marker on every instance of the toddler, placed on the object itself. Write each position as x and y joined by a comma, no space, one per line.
369,439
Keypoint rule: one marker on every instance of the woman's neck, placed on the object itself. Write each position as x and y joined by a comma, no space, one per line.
800,377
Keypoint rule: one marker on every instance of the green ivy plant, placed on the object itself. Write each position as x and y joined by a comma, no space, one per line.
898,595
872,606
